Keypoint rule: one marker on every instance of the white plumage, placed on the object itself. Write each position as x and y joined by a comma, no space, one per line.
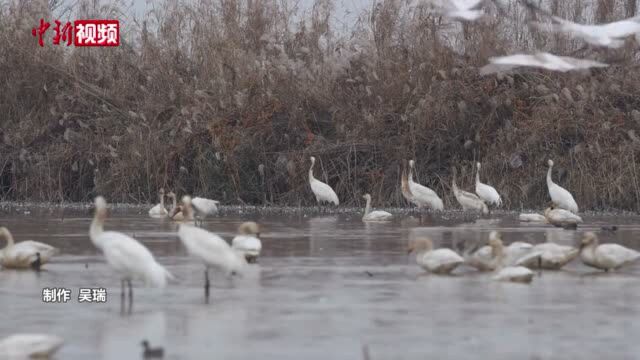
247,242
503,271
438,261
128,257
484,259
605,256
209,248
204,206
422,195
25,346
561,217
514,274
486,192
377,215
540,60
323,192
532,218
22,254
464,10
560,196
467,200
609,35
159,211
550,256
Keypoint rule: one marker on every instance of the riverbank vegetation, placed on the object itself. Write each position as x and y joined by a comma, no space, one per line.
229,99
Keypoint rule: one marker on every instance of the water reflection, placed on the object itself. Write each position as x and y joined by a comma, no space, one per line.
123,335
325,286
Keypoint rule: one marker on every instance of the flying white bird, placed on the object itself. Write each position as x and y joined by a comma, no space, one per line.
539,60
128,257
159,211
377,215
560,196
609,35
463,10
422,195
24,254
486,192
29,346
323,192
247,242
210,248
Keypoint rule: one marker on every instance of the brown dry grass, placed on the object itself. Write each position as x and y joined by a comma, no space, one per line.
199,96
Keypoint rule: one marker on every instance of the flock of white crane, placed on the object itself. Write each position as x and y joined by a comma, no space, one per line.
609,35
562,213
132,260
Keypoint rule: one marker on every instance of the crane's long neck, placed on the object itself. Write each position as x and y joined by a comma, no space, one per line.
404,183
161,199
311,178
187,212
9,238
410,176
97,225
497,254
453,183
477,175
367,208
549,181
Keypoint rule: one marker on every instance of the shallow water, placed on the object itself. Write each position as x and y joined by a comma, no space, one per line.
326,286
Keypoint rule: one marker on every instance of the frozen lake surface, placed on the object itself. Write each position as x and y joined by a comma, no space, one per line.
324,287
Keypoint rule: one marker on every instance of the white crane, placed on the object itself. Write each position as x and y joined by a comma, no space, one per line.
438,261
464,10
561,218
323,192
210,248
486,192
422,195
506,273
376,215
560,196
24,254
29,346
467,200
247,242
605,256
203,207
128,257
159,211
610,35
538,60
